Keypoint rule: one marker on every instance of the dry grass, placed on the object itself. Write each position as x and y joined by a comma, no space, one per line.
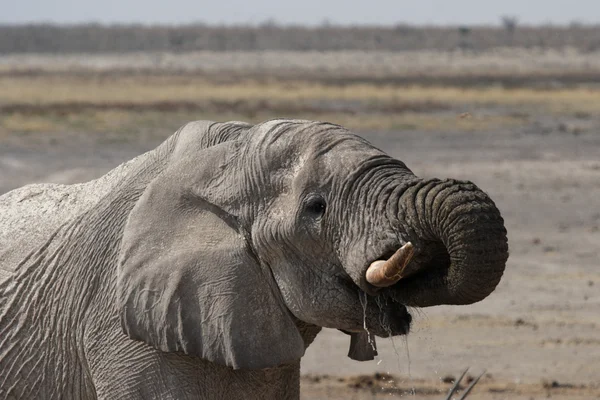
130,103
48,89
155,123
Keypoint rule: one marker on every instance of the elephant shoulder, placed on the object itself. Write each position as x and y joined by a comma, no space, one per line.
31,214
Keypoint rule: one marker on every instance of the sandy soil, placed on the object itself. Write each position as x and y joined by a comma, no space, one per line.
499,61
537,335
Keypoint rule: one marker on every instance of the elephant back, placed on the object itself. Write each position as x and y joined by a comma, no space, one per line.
31,214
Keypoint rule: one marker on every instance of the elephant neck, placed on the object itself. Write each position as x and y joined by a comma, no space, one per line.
41,312
47,305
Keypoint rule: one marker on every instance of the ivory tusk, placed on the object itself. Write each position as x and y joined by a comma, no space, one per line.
386,273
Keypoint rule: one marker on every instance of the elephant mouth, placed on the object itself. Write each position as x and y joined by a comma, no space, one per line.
382,315
393,317
429,263
386,319
394,268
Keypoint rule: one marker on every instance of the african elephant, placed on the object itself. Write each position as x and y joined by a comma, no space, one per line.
206,267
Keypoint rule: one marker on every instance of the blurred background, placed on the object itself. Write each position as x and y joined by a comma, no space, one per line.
506,94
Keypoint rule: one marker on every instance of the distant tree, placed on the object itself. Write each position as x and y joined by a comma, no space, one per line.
325,23
464,32
575,24
402,27
176,40
269,23
271,35
509,22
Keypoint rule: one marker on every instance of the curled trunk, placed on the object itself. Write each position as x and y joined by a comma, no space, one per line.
461,240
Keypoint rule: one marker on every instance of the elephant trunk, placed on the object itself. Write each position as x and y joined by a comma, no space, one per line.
461,239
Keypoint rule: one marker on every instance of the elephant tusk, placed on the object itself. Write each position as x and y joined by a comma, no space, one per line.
386,273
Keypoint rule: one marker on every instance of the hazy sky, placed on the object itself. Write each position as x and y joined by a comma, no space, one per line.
300,11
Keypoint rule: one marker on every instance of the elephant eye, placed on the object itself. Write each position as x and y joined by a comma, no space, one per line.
315,206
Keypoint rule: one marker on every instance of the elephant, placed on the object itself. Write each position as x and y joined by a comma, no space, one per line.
205,268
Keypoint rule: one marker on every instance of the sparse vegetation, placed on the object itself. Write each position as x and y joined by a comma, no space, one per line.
130,103
95,38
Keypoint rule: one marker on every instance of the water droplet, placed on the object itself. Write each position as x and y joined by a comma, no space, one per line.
363,301
410,379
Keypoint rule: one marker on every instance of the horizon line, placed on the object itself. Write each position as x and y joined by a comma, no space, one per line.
273,23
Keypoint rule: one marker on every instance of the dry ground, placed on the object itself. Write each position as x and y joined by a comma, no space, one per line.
535,150
454,66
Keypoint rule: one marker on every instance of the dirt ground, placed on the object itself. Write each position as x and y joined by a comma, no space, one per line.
419,65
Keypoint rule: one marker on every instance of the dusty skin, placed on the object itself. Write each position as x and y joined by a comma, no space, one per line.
536,335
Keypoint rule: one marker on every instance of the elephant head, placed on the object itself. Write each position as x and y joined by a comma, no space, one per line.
247,232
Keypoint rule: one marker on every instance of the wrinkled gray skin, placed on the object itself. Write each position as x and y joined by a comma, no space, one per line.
204,268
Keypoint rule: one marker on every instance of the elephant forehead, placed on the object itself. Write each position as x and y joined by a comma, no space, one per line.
317,145
349,153
338,159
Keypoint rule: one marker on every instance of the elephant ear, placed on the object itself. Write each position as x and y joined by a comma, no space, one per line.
188,280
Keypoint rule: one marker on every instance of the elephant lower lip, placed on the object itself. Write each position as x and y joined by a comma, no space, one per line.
393,320
381,313
401,324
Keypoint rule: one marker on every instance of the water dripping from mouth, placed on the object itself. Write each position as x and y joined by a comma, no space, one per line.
410,379
362,296
425,334
385,324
